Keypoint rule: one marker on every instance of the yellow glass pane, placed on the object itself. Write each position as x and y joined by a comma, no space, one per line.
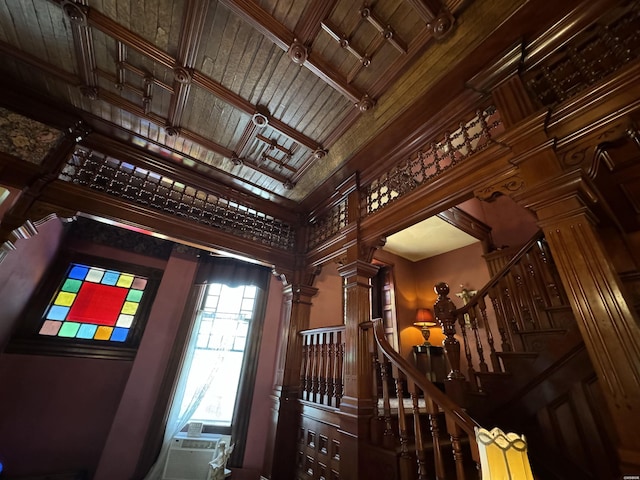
65,299
125,281
129,308
103,333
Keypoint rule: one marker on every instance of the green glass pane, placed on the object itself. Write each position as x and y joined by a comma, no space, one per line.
71,285
134,295
69,329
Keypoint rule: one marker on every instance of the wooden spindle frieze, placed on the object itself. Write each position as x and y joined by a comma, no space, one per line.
321,367
105,174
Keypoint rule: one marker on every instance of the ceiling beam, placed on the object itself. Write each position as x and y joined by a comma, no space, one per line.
259,19
190,37
34,61
83,45
310,23
427,9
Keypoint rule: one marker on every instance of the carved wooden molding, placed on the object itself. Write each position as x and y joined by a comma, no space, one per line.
310,23
506,184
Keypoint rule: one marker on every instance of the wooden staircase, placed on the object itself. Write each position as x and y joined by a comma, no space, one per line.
539,381
517,361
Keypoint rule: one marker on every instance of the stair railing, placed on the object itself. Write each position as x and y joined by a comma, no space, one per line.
517,300
424,398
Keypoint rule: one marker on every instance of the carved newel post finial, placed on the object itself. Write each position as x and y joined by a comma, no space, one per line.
444,310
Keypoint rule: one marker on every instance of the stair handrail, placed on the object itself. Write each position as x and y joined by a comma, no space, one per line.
538,236
452,411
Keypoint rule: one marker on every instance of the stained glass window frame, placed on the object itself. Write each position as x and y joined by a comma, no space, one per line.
29,339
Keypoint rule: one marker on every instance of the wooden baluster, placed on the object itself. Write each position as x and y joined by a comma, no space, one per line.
433,411
322,381
417,432
314,367
503,328
455,433
471,372
337,371
511,314
495,361
304,370
405,458
479,348
388,439
329,368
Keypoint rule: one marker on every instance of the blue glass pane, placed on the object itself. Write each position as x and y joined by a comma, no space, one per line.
110,278
57,312
86,331
119,334
78,272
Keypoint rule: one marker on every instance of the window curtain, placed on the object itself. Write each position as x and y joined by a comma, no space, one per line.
232,273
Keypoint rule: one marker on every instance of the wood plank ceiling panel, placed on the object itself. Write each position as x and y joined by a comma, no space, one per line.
284,11
39,29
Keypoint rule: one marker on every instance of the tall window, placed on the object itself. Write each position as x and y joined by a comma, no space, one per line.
220,332
217,374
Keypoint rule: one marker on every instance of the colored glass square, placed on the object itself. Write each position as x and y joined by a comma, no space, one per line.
110,277
125,321
79,272
69,329
103,333
125,280
86,331
119,334
50,328
98,304
130,308
65,299
134,296
71,285
139,283
94,275
57,312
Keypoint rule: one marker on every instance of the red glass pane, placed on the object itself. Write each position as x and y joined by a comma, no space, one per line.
97,304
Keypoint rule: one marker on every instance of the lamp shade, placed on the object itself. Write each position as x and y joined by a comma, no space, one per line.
424,321
503,456
424,316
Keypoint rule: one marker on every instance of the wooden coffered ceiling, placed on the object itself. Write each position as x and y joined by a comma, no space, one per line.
249,93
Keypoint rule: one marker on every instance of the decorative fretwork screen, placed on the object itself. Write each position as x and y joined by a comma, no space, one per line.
432,160
596,53
144,187
328,225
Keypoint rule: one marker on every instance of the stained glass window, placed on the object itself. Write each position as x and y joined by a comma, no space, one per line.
94,304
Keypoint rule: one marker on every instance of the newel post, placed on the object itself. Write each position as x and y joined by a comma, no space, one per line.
444,308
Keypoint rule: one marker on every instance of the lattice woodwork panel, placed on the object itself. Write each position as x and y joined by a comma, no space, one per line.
328,225
433,160
587,59
123,180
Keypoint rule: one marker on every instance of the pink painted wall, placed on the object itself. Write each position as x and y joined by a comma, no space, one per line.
261,405
326,309
511,225
22,270
133,417
55,412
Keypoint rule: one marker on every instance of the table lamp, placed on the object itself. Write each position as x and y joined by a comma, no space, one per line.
424,321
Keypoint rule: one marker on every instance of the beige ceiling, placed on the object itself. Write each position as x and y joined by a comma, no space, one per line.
428,238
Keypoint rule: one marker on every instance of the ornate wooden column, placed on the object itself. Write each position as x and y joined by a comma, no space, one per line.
607,322
356,407
281,448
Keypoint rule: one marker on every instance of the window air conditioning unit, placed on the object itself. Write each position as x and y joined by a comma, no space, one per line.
189,457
